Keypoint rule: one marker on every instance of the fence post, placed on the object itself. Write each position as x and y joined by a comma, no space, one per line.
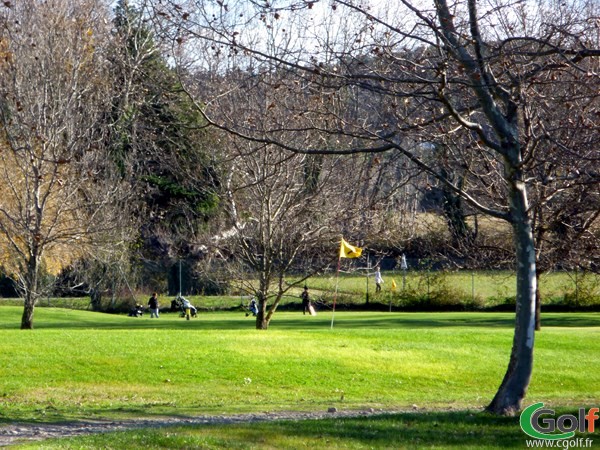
576,286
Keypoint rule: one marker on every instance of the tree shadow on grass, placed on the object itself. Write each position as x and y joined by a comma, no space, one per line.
340,323
420,320
413,430
66,319
403,321
399,431
461,429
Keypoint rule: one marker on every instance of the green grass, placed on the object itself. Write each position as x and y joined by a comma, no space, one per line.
81,364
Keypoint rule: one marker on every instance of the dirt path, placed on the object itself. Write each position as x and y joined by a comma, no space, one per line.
13,433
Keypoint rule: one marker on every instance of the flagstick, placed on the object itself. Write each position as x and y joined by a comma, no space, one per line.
337,283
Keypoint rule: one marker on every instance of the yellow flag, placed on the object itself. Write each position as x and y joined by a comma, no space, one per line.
393,284
349,251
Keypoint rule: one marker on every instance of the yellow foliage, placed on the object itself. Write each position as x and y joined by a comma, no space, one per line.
57,229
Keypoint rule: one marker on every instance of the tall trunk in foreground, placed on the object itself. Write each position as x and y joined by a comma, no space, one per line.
513,388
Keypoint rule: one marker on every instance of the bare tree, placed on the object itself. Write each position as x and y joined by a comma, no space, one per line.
59,196
286,213
407,79
278,222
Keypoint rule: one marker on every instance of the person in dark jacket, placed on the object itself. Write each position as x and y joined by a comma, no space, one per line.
153,305
305,296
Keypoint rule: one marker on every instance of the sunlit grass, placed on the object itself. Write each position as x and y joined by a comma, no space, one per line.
489,286
82,364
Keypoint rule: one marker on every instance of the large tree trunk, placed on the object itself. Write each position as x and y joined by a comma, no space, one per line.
96,299
261,321
30,290
511,393
27,317
262,318
538,303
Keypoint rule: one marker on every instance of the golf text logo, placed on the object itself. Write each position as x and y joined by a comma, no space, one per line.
562,428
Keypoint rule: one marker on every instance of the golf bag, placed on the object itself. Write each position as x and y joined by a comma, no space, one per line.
180,304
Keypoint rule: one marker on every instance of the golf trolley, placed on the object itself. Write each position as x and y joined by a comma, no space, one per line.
183,305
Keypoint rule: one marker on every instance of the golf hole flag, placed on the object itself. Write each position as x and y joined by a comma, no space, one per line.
349,251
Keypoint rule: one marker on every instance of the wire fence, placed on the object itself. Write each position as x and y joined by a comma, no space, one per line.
401,289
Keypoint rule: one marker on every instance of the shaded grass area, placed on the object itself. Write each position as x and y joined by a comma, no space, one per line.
401,431
67,319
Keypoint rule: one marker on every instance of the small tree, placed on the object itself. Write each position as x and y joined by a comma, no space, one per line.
284,212
282,223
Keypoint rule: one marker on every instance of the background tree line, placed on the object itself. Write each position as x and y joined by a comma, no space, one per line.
182,189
